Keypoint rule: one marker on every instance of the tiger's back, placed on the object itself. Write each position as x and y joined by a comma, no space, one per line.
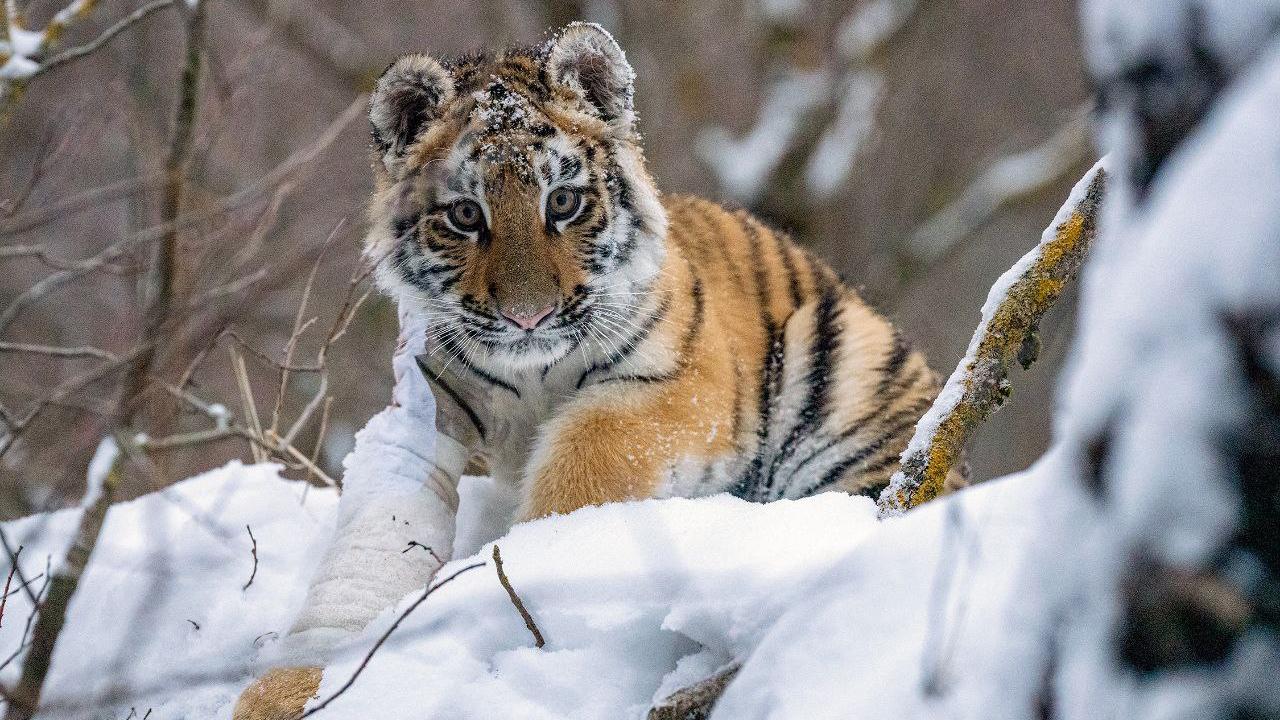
825,392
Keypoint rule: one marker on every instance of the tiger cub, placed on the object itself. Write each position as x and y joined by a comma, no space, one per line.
602,341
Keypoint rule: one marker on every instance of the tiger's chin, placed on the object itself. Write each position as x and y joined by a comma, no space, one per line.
531,352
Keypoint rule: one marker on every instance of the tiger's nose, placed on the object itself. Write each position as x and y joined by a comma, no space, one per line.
528,320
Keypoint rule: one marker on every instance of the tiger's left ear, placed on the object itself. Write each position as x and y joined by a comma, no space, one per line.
585,58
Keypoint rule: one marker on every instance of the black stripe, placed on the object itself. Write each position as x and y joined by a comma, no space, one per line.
737,403
894,363
789,265
762,280
705,213
499,382
631,344
471,414
838,470
857,426
822,357
569,166
748,486
647,379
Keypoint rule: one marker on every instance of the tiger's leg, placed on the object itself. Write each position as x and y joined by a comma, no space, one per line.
621,439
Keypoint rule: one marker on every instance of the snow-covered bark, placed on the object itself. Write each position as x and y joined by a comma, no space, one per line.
1007,333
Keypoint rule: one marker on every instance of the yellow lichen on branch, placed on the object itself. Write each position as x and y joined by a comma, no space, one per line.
1009,333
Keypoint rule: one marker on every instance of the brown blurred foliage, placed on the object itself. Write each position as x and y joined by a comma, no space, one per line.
962,84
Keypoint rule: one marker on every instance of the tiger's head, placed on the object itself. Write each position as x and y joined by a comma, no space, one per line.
512,204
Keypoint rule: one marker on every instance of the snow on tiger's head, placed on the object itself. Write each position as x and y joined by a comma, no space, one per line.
512,200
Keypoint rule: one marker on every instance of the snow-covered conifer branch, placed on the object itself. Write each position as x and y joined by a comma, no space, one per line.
1007,333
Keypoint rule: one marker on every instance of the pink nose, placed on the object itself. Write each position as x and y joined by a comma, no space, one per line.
528,321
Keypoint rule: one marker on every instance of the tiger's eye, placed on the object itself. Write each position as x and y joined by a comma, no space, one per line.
466,215
563,203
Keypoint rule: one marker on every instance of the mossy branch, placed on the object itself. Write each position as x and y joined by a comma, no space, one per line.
1008,334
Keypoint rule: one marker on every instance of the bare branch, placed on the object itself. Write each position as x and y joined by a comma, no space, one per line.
247,401
13,567
1008,334
60,394
72,272
299,326
80,351
186,440
277,175
515,599
97,43
69,206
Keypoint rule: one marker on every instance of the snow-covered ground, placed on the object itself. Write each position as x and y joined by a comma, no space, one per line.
635,600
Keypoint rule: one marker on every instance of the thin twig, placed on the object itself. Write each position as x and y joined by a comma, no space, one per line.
13,557
4,601
315,450
186,439
70,206
383,638
16,427
79,351
515,599
254,552
280,173
414,543
247,401
299,326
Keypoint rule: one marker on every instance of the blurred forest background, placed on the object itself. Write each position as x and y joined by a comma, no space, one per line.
920,146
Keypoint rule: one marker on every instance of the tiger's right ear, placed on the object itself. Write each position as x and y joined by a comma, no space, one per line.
411,94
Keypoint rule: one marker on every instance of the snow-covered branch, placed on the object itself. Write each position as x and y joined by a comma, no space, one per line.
813,117
24,52
1007,334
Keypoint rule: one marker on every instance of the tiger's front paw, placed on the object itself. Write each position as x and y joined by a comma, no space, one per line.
280,694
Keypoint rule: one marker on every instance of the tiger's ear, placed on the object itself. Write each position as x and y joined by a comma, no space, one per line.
411,94
585,58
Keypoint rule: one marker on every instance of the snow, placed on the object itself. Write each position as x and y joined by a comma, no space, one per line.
867,28
161,619
1154,364
623,593
635,600
927,618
